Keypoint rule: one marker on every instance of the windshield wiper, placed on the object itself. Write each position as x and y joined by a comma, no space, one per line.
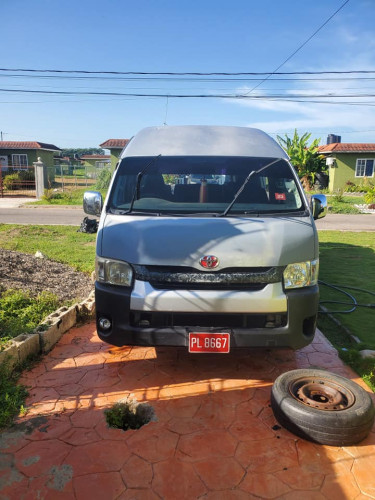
253,172
134,212
138,183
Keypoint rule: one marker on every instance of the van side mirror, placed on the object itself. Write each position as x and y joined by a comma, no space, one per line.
92,203
318,206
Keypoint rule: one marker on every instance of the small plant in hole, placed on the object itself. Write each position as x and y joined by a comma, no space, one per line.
129,414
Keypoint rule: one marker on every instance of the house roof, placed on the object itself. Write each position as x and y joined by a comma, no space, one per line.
95,157
27,145
347,147
114,143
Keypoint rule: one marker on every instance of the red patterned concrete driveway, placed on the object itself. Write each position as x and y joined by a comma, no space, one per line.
215,436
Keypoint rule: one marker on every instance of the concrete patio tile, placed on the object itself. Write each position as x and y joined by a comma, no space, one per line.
220,473
108,485
214,436
300,478
38,457
249,429
56,485
137,473
86,418
53,427
138,494
79,436
267,455
340,486
100,456
206,444
264,485
229,495
57,378
151,444
305,495
184,425
214,415
364,473
175,479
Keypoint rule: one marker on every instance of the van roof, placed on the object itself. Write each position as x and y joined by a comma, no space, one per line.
203,140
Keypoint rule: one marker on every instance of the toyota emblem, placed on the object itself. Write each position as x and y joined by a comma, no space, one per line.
209,261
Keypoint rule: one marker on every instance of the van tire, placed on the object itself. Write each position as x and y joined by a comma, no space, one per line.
322,407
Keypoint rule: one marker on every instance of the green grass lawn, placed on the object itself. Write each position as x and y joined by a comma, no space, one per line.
344,204
348,259
69,197
61,243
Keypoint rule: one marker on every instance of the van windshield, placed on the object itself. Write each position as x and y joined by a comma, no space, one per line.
205,185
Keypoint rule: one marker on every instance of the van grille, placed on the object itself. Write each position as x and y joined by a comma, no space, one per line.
188,278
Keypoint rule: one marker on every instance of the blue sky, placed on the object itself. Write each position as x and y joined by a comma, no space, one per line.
178,36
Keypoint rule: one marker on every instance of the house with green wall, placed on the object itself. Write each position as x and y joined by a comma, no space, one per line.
115,147
97,161
354,162
21,154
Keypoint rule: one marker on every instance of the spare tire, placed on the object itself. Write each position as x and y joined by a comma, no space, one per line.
322,407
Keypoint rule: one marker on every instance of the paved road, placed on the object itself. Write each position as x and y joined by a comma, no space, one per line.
344,222
42,216
14,212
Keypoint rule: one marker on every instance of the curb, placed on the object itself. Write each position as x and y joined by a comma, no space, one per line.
48,333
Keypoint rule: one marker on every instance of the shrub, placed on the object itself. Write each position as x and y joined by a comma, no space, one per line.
338,196
21,313
50,195
104,179
350,187
370,196
19,180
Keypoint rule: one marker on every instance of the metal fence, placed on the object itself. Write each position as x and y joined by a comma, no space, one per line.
20,181
17,181
72,176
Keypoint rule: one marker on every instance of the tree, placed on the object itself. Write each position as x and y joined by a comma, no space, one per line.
81,151
305,158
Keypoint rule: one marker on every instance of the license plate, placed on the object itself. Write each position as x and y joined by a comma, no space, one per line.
209,342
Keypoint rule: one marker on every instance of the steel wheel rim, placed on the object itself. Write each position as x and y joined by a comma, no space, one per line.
322,394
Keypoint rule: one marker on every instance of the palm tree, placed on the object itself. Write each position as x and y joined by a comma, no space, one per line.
305,158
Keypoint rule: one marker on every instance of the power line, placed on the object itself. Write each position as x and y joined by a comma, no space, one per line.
208,96
299,48
183,79
196,73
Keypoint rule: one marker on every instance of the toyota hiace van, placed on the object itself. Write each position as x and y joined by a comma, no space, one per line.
206,240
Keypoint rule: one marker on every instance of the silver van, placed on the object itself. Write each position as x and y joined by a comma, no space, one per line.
206,240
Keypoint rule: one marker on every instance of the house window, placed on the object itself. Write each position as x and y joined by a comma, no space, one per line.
364,168
19,161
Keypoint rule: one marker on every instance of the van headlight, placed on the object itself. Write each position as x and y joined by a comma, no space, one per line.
113,272
301,274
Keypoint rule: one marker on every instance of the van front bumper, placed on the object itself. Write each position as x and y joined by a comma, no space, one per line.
296,331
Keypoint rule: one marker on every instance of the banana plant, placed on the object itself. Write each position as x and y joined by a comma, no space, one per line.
304,157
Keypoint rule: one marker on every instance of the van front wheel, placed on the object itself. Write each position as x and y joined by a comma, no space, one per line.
322,407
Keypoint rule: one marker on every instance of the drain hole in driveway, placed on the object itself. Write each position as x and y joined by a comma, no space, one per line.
129,414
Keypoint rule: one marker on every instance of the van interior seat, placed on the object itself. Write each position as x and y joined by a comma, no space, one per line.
186,193
253,192
153,186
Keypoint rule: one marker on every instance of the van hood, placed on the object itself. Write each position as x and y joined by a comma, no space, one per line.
181,241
